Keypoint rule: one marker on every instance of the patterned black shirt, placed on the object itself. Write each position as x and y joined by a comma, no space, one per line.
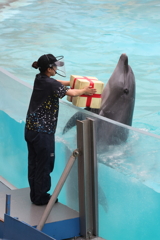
42,114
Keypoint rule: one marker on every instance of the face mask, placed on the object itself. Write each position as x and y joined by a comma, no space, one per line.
60,66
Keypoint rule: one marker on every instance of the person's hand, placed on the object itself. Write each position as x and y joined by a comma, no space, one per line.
89,91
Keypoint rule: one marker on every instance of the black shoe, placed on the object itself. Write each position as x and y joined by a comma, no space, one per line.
43,201
40,204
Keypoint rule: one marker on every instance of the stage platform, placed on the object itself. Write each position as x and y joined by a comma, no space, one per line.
62,223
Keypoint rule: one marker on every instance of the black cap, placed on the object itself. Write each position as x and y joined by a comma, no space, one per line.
46,60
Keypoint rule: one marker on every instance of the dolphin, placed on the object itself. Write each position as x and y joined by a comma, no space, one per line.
118,99
118,96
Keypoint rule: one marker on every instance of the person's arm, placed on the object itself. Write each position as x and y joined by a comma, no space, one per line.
79,92
65,83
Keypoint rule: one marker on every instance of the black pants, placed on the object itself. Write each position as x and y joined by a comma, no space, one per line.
41,157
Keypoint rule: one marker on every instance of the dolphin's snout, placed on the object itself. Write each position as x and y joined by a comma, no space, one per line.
124,59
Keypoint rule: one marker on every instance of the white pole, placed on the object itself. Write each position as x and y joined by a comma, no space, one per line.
57,190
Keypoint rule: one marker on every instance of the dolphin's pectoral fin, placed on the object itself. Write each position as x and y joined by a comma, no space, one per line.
102,198
78,116
72,121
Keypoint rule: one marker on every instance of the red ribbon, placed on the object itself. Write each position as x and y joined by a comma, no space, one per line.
89,98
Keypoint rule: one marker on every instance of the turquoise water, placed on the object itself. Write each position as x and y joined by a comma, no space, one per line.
91,35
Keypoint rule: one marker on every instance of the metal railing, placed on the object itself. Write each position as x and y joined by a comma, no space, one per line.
87,178
87,181
57,189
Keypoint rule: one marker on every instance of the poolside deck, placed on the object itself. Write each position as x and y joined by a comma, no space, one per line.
25,211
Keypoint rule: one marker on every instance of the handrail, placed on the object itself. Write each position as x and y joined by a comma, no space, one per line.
57,189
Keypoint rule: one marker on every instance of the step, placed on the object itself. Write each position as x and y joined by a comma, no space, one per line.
62,218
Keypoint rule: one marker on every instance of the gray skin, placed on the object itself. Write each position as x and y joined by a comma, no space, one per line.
118,96
118,100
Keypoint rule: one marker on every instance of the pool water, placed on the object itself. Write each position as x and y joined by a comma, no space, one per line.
91,35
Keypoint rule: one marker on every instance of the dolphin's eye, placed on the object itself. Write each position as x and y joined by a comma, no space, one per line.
126,91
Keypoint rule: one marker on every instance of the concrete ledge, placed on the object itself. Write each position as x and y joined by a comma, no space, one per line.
6,184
